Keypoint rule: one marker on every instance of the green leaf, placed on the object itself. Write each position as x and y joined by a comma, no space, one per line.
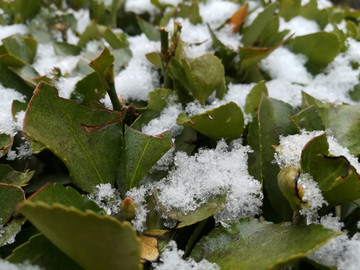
88,89
308,119
253,32
10,196
40,251
140,154
310,11
312,46
116,41
86,140
10,176
103,65
67,196
201,77
25,9
93,241
226,121
250,244
91,32
254,97
199,214
336,177
26,73
321,107
10,80
148,29
190,12
22,47
6,142
289,9
344,122
66,49
270,122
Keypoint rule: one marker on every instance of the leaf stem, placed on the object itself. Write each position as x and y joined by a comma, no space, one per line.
113,97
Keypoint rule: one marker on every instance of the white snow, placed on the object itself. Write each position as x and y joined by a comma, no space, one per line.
140,76
171,258
8,30
196,179
215,12
7,124
5,265
107,198
299,26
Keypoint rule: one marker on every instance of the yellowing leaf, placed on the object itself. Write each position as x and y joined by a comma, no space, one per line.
238,17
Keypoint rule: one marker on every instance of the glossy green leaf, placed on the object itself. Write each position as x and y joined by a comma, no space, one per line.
226,121
10,196
250,244
270,122
336,177
103,65
86,140
201,213
6,142
344,122
313,47
116,41
308,119
93,241
22,47
10,176
67,196
140,154
40,251
148,29
201,77
253,32
254,97
321,107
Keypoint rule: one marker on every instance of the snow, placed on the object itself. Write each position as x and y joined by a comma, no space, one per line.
299,26
7,124
5,265
288,153
82,17
22,151
140,6
313,197
196,179
8,30
171,258
166,121
140,76
65,85
215,12
46,60
107,198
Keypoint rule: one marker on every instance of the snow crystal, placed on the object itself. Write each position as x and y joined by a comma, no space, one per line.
66,85
46,60
7,124
289,66
8,30
22,151
166,121
107,198
215,12
196,179
5,265
312,196
172,258
351,259
299,26
288,153
138,195
140,6
290,76
140,76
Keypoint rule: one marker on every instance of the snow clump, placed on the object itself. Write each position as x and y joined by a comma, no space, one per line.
107,197
172,258
11,266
